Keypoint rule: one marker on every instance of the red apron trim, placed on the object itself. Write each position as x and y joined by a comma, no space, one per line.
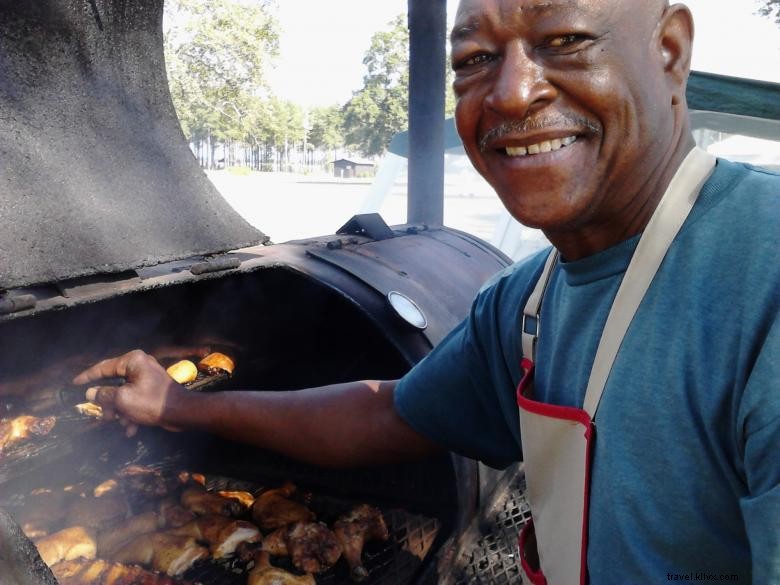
586,511
562,413
534,575
550,410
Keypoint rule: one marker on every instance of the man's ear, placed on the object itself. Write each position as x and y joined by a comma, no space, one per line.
675,44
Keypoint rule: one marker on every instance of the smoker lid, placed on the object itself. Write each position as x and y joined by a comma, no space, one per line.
96,175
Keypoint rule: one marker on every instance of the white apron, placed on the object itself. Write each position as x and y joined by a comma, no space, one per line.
558,440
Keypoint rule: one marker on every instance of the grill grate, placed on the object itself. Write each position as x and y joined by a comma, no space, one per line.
489,555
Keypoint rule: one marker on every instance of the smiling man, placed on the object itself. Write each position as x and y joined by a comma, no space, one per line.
639,354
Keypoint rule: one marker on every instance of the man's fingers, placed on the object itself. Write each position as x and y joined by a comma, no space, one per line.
131,430
102,395
109,368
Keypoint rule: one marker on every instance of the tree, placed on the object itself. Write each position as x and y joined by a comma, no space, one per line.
771,8
379,110
325,131
217,53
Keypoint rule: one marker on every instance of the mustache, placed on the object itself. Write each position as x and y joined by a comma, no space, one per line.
535,124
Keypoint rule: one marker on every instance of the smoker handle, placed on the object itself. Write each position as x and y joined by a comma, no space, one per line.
20,563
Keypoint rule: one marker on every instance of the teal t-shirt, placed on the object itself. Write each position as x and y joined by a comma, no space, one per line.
686,467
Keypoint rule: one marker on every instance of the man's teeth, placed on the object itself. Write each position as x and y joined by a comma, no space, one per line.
546,146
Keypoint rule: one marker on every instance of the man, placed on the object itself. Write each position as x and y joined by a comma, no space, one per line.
650,417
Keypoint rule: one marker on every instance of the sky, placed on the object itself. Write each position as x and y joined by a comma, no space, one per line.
322,44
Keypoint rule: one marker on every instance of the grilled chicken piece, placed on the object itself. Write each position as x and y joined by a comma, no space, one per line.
273,508
312,546
18,429
109,541
99,572
216,363
275,543
187,478
265,574
66,545
222,534
107,487
196,499
171,554
183,372
361,524
89,409
98,513
244,498
173,514
147,482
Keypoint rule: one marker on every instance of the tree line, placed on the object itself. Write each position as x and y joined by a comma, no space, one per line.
217,55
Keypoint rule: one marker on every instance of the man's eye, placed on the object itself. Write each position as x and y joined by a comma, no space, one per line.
475,60
565,41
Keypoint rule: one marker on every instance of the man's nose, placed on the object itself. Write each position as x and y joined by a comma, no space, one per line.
521,87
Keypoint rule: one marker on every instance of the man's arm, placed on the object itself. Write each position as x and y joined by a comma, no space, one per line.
341,425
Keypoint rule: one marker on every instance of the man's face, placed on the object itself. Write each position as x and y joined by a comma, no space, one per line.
563,105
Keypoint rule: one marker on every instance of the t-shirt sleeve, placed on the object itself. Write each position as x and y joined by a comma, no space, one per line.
461,395
761,453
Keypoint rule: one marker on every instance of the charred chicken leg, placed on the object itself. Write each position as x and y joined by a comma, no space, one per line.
361,524
264,573
312,546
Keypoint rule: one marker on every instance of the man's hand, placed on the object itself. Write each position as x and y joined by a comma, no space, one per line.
145,398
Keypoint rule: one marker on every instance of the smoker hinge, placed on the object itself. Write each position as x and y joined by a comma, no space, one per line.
368,224
216,265
14,304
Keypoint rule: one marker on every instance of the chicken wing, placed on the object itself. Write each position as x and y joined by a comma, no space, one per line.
264,573
273,508
361,524
222,534
66,545
171,554
196,499
17,429
99,572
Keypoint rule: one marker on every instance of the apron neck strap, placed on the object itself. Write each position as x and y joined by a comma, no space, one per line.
531,321
661,230
665,223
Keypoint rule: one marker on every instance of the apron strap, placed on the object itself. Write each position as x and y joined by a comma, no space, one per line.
531,322
663,227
